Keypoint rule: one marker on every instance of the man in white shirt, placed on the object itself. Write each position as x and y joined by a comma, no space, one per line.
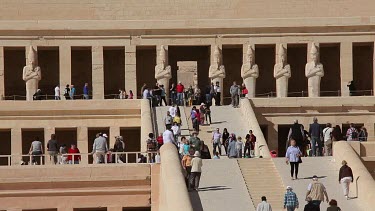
264,205
172,111
327,136
168,137
57,92
146,94
217,90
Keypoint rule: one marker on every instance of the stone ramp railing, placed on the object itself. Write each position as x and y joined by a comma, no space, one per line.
173,192
342,150
252,122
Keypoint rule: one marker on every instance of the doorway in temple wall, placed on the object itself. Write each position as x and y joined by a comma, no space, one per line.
282,137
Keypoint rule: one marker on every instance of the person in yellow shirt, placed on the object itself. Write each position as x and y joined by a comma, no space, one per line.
177,119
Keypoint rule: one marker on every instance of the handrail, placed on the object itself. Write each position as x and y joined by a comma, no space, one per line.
52,97
153,118
119,157
270,94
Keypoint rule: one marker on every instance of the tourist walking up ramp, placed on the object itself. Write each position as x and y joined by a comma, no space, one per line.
262,179
161,113
221,188
327,169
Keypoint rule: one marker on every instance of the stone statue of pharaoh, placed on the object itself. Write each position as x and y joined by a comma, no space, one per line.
282,73
163,72
250,71
314,72
217,71
31,74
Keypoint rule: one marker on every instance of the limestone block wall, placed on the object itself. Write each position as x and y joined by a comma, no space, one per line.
179,9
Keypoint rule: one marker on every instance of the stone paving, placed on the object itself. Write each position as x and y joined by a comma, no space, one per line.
222,188
326,168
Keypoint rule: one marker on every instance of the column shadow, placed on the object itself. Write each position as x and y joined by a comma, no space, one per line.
195,201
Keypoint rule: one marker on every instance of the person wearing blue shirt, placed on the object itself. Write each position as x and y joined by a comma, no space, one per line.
290,200
293,156
86,91
72,92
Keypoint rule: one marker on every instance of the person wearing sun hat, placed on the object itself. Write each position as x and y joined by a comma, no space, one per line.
290,199
196,171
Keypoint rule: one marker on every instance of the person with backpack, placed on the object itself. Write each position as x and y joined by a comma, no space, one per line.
327,136
119,146
296,132
352,133
151,143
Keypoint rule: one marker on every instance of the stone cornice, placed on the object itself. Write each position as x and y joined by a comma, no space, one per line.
184,24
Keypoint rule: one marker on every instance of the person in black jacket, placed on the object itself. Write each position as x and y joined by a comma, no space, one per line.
296,133
310,206
345,177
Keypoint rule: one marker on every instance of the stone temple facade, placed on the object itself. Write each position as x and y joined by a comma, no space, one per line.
296,57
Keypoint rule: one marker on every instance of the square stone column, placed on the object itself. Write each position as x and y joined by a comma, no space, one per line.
113,132
131,69
65,62
370,129
346,65
16,145
97,73
48,131
2,82
82,143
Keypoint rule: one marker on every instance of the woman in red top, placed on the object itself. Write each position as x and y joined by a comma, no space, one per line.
160,140
73,150
244,91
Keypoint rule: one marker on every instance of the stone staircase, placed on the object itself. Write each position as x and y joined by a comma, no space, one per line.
263,179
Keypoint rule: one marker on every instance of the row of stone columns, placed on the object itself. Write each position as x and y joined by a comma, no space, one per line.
249,72
163,70
82,141
97,69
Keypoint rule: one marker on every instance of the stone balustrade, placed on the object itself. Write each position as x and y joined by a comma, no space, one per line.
173,192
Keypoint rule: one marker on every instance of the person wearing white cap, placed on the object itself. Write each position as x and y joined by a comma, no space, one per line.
180,93
196,171
100,148
290,199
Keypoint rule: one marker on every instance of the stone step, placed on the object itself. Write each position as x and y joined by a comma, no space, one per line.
262,179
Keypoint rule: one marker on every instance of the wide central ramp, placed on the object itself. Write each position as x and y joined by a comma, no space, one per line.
222,188
327,169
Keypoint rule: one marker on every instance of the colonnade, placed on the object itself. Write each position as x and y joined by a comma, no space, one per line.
65,74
